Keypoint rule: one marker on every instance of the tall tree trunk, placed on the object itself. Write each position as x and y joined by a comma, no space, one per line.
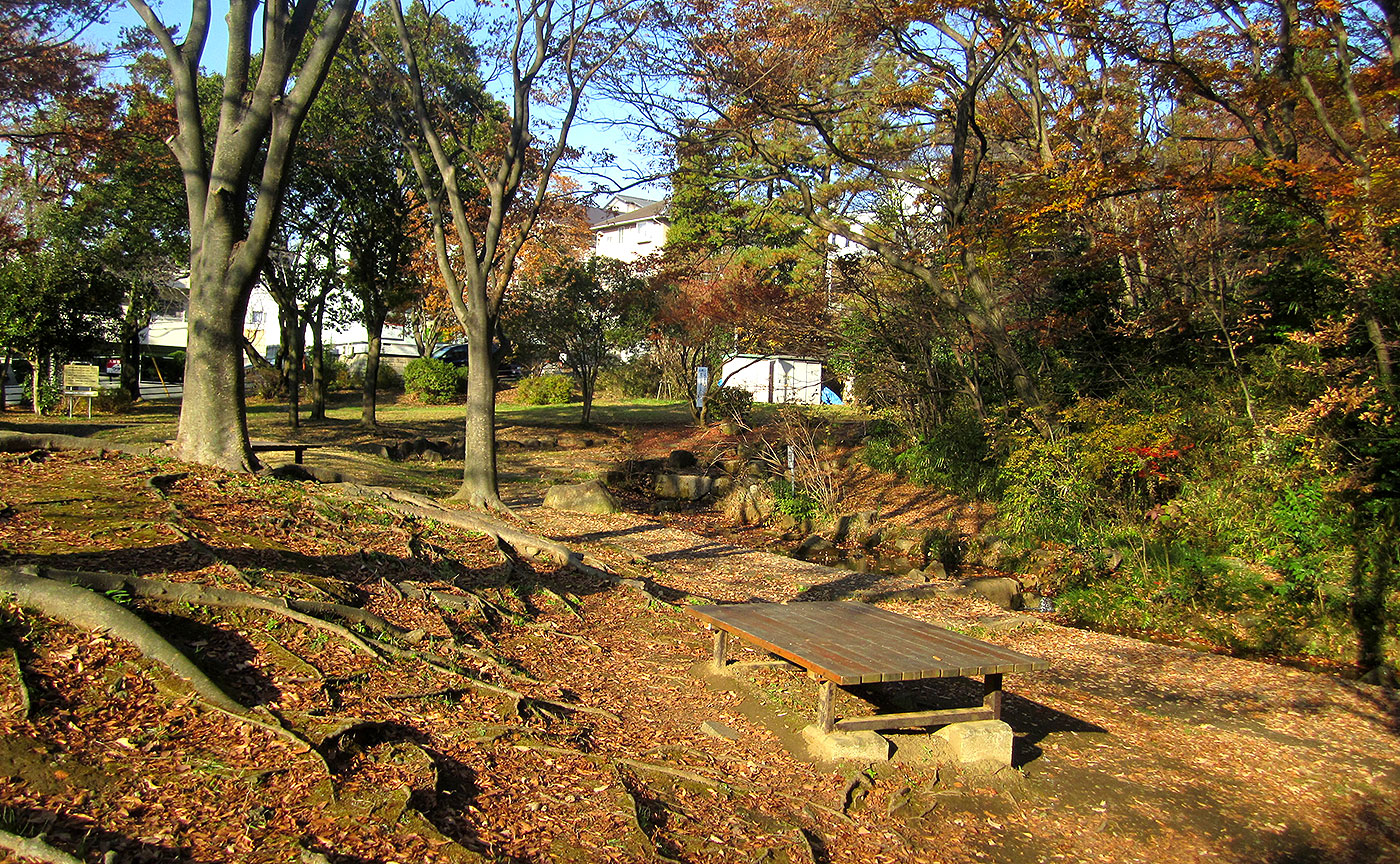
34,368
131,363
586,381
286,320
479,468
318,363
296,357
990,323
370,392
213,425
129,337
259,119
1382,349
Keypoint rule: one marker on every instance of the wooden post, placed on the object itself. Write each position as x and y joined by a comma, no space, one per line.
721,648
991,694
826,705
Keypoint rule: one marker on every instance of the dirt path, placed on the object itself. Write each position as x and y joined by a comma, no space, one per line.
683,560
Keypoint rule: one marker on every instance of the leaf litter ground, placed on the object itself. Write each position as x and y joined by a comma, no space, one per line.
1126,751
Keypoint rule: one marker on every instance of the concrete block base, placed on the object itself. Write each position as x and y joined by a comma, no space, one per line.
978,741
834,746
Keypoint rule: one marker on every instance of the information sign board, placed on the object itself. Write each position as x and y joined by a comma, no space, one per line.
80,378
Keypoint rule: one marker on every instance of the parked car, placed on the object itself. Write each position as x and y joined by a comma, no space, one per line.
455,354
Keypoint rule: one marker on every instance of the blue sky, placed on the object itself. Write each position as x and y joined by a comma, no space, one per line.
591,131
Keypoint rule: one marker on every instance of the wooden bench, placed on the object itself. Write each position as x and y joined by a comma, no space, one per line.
281,446
845,643
271,447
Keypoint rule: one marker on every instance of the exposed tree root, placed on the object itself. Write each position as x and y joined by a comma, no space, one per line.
203,595
635,764
676,773
513,695
424,507
529,545
93,611
185,592
35,849
90,610
200,546
810,843
10,668
161,484
19,442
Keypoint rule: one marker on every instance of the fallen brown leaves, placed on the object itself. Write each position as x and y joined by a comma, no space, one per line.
1129,752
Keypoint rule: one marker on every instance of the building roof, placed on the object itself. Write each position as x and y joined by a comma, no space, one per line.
596,215
654,211
797,357
627,203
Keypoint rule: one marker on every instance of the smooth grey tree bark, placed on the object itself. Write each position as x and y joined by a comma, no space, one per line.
259,118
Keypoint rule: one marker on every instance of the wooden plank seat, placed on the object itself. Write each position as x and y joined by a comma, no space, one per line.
844,643
282,446
272,446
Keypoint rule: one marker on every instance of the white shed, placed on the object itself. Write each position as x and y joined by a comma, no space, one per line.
775,378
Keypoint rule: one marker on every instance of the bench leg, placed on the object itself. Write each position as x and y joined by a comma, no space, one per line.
991,694
826,705
296,456
721,648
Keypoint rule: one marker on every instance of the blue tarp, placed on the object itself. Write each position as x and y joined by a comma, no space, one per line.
829,397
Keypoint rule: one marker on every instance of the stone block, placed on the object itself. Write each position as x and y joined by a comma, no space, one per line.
678,459
854,526
1001,590
864,746
814,545
978,741
590,497
716,729
733,467
690,487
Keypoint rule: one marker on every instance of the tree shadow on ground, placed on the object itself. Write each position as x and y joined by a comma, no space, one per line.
74,835
78,430
1373,838
1031,720
442,805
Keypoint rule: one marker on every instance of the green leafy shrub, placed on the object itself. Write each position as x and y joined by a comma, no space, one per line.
635,379
793,501
50,395
112,400
724,404
545,390
265,383
954,457
1305,533
1049,490
337,374
433,381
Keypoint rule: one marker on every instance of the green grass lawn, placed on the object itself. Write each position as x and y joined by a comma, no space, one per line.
153,422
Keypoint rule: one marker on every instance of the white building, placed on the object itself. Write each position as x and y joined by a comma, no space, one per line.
775,379
169,330
630,228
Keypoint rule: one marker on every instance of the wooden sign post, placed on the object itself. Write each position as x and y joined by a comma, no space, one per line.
79,379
